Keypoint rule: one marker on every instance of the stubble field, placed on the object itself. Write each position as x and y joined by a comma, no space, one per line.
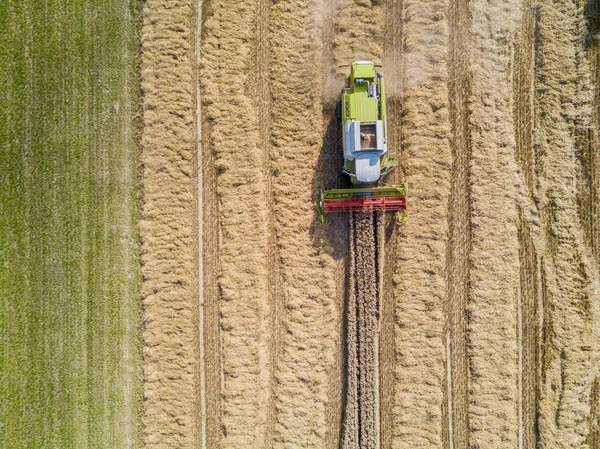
486,295
474,323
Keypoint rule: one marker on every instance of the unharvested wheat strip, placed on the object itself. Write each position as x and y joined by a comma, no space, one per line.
419,286
234,136
170,355
494,255
570,275
308,345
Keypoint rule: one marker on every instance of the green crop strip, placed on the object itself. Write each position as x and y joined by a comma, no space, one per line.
69,253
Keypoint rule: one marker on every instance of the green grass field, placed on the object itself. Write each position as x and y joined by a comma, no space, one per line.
69,251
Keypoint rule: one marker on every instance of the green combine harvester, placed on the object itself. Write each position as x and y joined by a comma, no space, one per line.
364,159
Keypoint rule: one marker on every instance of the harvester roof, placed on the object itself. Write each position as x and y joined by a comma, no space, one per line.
363,69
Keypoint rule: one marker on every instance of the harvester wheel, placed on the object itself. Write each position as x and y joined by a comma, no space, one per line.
339,110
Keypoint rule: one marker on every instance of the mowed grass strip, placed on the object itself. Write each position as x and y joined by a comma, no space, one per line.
69,250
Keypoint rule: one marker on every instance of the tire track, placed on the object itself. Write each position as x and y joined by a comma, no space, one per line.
338,223
529,337
591,166
197,233
459,210
587,135
593,438
529,323
272,301
392,51
209,318
523,94
209,307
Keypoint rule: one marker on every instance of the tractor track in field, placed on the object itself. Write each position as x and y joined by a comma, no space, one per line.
523,93
197,233
529,305
591,144
339,222
361,419
459,210
388,232
210,342
529,337
272,300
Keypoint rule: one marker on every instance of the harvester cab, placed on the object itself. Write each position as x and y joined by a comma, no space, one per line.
365,159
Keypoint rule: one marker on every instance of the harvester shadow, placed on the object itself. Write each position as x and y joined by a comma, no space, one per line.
332,237
592,14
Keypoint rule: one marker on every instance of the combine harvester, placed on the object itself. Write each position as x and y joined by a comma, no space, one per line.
364,159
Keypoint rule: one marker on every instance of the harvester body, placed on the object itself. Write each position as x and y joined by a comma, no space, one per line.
364,122
364,157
